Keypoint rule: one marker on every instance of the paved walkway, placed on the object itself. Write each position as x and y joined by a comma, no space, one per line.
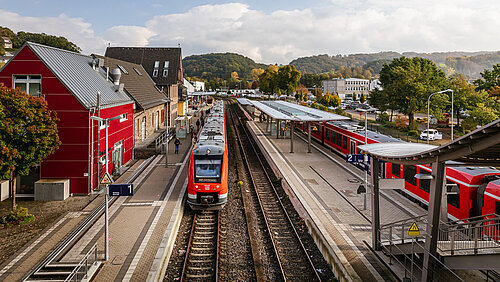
324,185
141,228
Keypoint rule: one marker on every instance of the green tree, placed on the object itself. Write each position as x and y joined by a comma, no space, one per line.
464,97
362,98
268,80
483,114
28,133
288,78
45,39
410,81
490,79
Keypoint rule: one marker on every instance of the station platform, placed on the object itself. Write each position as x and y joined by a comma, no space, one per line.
322,187
142,228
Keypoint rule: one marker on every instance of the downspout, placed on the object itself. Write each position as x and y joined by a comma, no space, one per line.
98,139
92,153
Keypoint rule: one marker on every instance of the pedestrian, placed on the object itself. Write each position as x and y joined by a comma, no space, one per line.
198,125
193,141
177,142
202,122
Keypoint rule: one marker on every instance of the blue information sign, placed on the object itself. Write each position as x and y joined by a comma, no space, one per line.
121,189
355,158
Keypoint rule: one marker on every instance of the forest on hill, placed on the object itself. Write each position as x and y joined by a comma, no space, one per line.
50,40
469,64
219,66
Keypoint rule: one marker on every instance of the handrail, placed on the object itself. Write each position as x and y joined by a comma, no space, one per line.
399,222
73,276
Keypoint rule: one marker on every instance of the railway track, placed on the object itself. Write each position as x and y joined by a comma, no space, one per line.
202,255
50,268
289,251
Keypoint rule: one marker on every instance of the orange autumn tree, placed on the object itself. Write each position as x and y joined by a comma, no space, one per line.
28,133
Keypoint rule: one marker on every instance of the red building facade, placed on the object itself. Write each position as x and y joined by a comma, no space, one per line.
69,82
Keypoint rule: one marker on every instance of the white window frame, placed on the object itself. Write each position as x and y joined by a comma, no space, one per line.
123,117
29,79
155,72
165,72
166,64
157,64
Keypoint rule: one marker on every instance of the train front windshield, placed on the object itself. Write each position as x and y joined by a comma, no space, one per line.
208,170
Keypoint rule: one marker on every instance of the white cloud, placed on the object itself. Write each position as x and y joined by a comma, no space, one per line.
280,36
74,29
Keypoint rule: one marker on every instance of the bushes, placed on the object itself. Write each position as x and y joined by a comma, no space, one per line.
468,125
19,215
413,133
383,117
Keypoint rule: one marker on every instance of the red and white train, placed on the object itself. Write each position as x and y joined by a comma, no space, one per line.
208,164
478,190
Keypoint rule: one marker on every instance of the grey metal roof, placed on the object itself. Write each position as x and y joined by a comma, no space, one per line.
283,110
244,102
76,73
353,126
211,140
480,147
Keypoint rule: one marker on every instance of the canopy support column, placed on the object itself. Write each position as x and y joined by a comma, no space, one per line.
431,237
308,136
375,168
292,125
278,128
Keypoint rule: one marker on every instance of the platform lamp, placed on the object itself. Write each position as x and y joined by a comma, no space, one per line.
428,112
106,200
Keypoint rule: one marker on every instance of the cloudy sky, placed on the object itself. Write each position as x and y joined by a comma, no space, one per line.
275,31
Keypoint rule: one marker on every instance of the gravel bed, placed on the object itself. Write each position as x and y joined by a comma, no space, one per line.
236,262
174,269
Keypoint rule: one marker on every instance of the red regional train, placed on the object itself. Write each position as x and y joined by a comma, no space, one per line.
476,191
208,164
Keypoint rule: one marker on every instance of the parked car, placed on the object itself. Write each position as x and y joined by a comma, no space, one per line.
433,135
365,107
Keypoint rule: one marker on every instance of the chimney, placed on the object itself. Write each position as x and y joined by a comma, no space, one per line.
115,75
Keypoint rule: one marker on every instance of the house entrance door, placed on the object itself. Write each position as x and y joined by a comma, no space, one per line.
143,129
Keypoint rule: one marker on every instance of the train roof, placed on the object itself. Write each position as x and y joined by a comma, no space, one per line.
354,127
475,171
212,139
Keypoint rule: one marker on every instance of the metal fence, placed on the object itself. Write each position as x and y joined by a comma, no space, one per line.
394,133
476,234
82,268
168,134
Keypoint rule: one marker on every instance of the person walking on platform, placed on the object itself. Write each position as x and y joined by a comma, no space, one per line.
198,125
202,122
177,142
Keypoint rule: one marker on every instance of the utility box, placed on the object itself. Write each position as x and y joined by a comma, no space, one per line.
51,189
4,190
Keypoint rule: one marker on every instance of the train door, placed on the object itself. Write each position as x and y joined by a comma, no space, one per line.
352,149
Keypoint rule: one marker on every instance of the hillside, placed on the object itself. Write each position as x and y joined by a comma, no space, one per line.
219,65
468,63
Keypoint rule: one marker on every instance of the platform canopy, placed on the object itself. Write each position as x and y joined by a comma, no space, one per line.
480,147
282,110
202,93
244,102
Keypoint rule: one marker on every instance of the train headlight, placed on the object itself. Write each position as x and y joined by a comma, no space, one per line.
208,151
196,186
217,186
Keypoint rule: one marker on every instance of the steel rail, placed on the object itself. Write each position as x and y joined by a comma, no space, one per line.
278,199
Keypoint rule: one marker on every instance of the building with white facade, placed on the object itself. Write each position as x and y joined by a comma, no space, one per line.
347,88
199,86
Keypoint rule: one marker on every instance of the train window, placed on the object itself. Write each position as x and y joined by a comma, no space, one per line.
328,133
344,142
409,172
208,169
425,184
338,139
497,207
396,170
453,190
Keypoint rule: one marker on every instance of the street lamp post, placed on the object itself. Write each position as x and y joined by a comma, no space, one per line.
428,112
106,200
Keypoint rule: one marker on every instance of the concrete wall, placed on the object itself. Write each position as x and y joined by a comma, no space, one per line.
52,189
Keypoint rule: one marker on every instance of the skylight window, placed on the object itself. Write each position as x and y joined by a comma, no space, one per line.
137,71
122,69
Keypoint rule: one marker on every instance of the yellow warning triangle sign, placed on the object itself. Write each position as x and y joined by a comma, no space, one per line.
107,179
414,231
